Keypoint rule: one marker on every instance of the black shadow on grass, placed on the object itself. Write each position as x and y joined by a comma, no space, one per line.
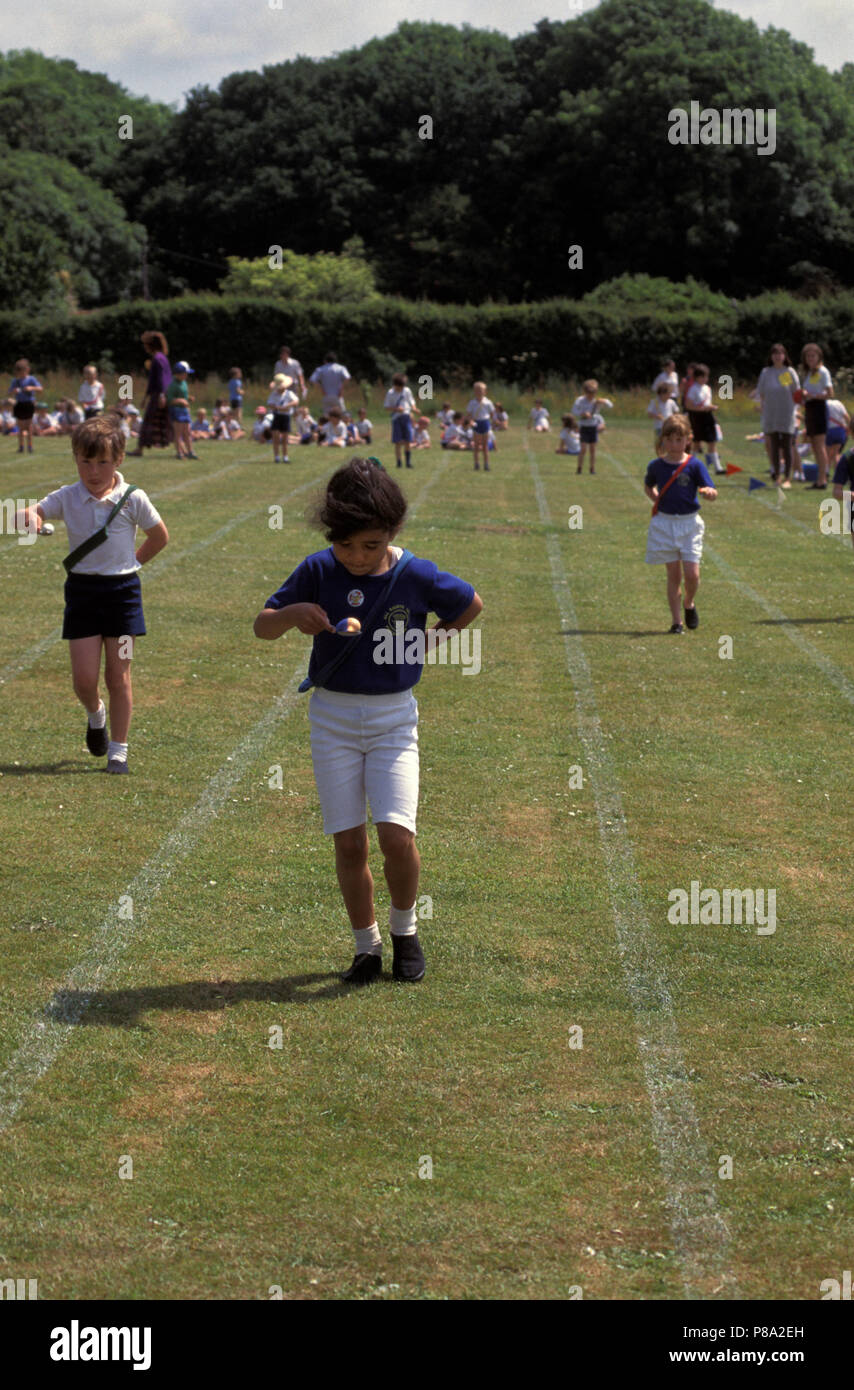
804,622
611,632
123,1008
62,769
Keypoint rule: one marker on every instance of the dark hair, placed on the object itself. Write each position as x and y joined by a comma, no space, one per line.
399,379
330,357
770,361
153,338
700,369
359,497
101,437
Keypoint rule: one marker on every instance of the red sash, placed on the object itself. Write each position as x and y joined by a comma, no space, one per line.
669,483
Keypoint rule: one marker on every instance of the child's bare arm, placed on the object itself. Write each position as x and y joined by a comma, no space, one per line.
155,539
651,492
709,492
29,519
474,608
275,622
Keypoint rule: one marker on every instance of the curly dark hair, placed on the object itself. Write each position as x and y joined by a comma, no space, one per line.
359,497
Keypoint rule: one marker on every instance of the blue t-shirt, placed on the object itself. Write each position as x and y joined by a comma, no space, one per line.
681,498
235,385
422,588
17,385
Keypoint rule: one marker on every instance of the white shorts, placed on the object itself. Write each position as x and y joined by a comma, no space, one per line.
674,538
365,747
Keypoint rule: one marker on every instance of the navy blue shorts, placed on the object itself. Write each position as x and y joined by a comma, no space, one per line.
481,426
103,605
401,429
180,415
836,434
281,421
815,417
703,426
589,434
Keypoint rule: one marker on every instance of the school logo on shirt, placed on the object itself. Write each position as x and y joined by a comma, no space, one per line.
355,598
398,614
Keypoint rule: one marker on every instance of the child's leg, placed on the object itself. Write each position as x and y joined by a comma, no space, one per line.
772,449
117,674
354,876
402,863
674,589
580,468
691,570
85,653
819,450
592,458
276,436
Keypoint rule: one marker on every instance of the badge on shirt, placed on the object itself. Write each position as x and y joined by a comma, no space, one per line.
355,598
398,614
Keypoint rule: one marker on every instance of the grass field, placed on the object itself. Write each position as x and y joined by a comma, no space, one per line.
155,928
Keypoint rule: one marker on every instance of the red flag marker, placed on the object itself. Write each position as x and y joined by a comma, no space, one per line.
732,468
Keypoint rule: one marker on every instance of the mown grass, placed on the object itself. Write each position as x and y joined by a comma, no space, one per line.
298,1167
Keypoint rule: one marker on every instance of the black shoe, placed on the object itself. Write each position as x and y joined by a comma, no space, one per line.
817,487
409,963
692,619
97,741
677,627
364,970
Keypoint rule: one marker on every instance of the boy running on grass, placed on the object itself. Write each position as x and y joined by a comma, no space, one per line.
103,599
675,537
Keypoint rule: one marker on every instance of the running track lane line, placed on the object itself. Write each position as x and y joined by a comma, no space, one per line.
833,672
700,1235
45,1037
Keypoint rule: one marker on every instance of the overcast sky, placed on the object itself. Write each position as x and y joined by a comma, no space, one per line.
160,48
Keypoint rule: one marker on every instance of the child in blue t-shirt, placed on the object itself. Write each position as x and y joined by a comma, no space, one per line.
675,536
364,740
24,387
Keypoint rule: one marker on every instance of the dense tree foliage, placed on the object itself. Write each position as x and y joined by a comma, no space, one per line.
553,139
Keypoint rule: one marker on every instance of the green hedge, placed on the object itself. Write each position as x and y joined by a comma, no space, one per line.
522,343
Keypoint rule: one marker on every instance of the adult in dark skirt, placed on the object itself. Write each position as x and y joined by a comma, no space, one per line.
156,429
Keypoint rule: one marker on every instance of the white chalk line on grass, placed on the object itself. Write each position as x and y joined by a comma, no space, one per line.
786,626
45,1037
700,1234
158,566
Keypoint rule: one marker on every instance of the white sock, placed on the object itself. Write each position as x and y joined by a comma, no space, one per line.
712,458
368,940
99,718
117,750
403,921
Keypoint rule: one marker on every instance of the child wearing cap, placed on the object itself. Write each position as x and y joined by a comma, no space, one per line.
103,600
178,401
281,401
675,537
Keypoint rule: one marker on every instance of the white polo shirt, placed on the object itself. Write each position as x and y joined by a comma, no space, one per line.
84,514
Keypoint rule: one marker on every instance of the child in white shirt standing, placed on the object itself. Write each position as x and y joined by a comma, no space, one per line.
704,426
91,393
661,407
400,402
590,422
481,410
281,401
